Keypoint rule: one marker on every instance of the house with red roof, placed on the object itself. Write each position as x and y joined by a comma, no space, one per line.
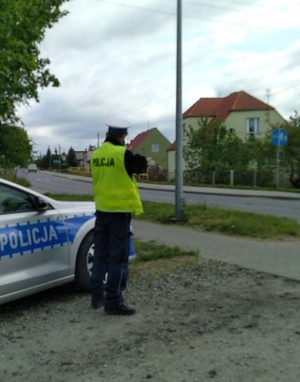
153,145
240,112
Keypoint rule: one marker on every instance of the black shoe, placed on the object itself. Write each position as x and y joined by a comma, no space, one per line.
119,308
97,302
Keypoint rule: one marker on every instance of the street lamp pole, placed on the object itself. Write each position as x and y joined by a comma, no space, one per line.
179,132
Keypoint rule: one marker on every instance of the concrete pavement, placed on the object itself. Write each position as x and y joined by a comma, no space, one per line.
280,258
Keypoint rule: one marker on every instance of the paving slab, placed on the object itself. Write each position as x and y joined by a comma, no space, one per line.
281,258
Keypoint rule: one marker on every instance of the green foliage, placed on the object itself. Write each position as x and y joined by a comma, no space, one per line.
151,250
212,148
260,152
15,146
158,212
225,221
55,161
295,119
260,156
64,166
242,223
10,174
71,157
290,152
230,222
45,161
23,182
156,173
22,70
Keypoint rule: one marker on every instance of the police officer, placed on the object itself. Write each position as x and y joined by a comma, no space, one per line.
116,197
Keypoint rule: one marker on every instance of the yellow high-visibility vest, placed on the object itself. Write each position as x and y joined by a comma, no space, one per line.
114,190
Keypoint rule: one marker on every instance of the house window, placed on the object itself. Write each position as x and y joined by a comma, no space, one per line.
252,126
155,148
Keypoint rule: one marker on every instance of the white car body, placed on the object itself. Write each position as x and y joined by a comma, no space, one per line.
43,242
32,167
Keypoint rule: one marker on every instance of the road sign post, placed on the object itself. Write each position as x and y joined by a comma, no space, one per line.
279,138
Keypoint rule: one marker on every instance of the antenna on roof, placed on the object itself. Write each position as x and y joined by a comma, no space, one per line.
268,91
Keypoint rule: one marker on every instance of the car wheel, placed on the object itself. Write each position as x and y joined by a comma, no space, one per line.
84,263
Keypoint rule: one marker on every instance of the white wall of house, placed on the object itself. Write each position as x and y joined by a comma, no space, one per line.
239,121
171,158
257,123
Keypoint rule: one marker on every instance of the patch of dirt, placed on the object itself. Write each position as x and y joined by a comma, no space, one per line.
194,322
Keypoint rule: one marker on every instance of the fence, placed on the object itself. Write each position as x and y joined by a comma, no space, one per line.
250,178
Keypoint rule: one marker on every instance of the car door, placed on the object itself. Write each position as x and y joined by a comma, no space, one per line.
34,248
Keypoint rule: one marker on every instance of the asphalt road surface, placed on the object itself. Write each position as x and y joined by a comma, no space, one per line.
48,182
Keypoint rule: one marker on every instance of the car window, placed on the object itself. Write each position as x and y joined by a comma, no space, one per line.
13,200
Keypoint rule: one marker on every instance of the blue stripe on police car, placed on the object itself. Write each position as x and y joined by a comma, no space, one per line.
40,235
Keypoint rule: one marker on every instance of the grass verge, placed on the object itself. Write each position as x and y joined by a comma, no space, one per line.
230,222
157,260
10,174
151,250
203,218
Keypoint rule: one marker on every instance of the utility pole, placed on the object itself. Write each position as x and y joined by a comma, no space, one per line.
268,91
179,132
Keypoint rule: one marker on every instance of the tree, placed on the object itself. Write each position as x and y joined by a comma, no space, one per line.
291,150
295,119
22,71
260,156
15,146
71,158
45,161
212,148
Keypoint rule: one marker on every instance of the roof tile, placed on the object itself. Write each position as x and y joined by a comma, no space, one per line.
139,139
222,107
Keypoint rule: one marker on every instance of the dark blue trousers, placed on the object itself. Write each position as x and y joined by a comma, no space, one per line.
112,241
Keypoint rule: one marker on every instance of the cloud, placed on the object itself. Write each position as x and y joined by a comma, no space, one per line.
117,59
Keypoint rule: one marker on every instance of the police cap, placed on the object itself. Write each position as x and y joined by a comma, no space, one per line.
118,127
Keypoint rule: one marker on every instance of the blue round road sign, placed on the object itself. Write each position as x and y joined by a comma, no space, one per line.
279,137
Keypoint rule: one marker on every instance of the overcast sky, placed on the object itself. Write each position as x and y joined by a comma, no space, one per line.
117,60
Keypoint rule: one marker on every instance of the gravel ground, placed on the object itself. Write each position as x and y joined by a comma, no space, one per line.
195,321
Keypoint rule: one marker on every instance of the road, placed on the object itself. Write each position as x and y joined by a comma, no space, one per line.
266,206
48,182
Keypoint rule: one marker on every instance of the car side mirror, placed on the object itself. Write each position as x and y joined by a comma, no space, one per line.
41,204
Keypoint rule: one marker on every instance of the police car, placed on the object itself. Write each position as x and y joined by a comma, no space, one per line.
43,242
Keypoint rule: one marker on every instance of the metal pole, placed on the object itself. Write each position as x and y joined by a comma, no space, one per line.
277,160
277,167
179,132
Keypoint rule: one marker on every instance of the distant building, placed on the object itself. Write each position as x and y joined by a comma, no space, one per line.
153,145
83,157
240,112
